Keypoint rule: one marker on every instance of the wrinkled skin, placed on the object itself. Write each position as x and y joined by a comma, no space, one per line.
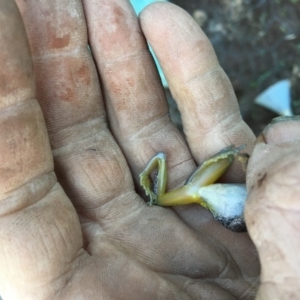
76,133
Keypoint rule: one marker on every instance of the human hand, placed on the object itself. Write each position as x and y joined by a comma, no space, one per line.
272,208
87,234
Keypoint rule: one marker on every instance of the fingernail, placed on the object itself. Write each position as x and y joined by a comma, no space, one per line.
284,119
282,129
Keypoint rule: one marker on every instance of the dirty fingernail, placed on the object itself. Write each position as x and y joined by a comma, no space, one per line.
282,129
285,119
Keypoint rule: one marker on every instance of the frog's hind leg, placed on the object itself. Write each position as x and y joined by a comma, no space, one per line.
214,167
158,163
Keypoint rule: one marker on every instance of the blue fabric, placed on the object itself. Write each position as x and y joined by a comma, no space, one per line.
140,4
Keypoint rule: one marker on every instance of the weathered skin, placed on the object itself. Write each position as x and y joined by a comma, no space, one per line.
72,225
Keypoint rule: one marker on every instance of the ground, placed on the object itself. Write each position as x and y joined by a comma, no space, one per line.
257,43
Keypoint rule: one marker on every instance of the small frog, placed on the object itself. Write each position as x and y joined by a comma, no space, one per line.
225,201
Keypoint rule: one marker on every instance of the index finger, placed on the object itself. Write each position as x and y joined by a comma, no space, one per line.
203,92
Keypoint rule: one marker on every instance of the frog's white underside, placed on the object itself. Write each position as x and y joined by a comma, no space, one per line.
225,200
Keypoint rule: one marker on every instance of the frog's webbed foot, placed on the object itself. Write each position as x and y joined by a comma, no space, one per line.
156,164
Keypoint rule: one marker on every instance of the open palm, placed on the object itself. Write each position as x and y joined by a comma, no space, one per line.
72,224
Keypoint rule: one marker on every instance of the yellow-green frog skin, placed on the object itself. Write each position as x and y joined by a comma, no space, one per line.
225,201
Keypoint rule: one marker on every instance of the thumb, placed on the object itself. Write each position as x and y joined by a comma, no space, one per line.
273,208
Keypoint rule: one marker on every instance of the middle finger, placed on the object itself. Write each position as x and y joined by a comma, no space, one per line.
135,99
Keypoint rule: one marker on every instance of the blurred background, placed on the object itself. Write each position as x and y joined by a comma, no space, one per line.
258,45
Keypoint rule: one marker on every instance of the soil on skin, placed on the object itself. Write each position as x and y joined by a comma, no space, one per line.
257,43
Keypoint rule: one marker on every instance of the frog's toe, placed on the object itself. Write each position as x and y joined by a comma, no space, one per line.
153,198
145,182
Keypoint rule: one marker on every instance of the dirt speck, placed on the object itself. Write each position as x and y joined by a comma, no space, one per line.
118,12
60,42
261,179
